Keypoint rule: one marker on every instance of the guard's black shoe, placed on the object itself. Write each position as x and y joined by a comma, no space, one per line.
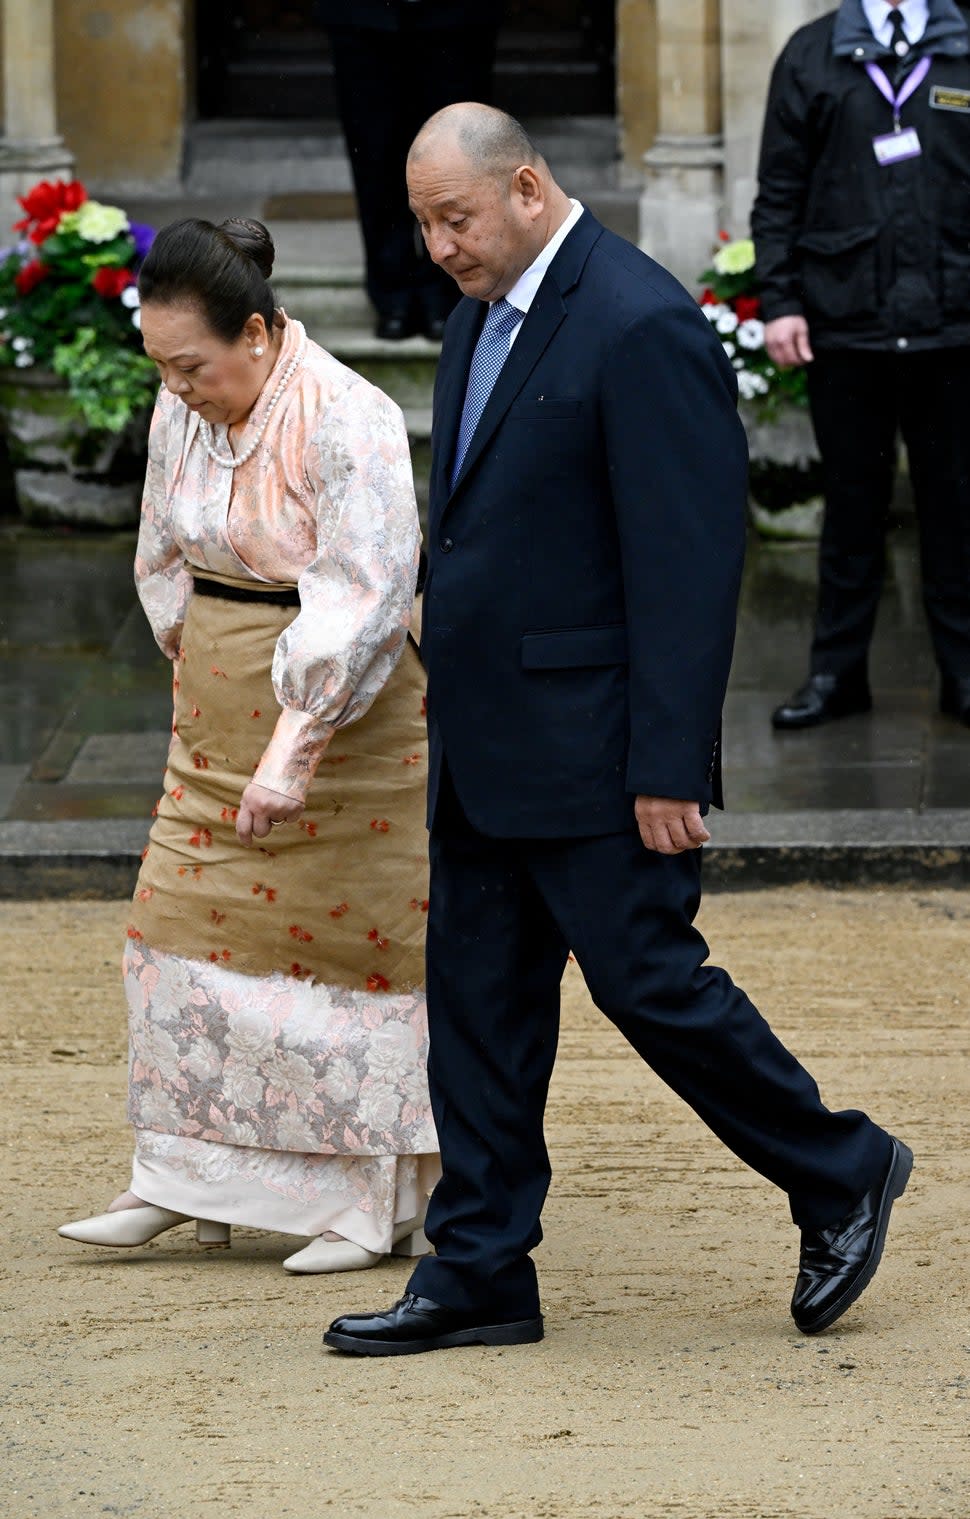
393,326
955,700
837,1264
819,700
417,1323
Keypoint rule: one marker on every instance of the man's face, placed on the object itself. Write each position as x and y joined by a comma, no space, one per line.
481,229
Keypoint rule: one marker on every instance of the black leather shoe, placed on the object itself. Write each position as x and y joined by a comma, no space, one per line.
393,326
416,1323
837,1264
819,700
955,700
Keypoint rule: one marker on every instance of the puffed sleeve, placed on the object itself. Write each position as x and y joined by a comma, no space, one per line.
164,584
356,594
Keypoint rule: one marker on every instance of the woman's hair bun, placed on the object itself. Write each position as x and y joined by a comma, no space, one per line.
253,239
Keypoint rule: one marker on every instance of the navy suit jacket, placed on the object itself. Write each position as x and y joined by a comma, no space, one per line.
584,572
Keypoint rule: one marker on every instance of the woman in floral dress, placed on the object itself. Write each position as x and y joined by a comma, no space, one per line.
274,956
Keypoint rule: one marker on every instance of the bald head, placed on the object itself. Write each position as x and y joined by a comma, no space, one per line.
492,141
484,198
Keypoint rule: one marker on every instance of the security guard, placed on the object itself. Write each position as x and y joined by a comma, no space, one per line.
862,231
396,62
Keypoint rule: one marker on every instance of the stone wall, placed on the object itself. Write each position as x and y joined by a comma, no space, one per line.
122,90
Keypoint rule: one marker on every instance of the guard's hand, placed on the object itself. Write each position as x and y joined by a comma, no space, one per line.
670,827
787,342
260,808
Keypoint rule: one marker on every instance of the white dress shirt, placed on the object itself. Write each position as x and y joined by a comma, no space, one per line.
526,287
915,14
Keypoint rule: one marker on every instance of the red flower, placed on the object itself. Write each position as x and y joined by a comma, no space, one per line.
30,276
724,236
708,298
110,283
748,307
45,204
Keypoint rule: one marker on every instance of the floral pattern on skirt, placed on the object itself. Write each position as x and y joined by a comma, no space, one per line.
274,1063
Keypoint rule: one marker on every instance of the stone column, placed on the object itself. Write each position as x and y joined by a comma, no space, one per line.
30,148
754,33
680,209
636,83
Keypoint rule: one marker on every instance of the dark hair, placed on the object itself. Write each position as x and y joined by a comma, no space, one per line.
224,271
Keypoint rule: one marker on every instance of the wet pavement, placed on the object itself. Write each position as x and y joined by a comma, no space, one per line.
86,706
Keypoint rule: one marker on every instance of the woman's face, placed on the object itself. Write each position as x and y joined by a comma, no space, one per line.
218,380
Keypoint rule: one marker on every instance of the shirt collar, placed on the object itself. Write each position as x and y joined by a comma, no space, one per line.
915,14
526,287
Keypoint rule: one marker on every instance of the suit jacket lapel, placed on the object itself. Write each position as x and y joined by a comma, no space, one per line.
452,382
544,317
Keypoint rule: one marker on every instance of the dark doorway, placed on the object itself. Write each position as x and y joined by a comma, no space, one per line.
269,59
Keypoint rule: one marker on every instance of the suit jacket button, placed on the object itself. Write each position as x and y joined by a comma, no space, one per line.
446,545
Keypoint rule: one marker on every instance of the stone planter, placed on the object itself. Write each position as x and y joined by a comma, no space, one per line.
786,504
63,472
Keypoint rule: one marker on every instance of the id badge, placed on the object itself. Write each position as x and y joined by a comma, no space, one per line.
893,147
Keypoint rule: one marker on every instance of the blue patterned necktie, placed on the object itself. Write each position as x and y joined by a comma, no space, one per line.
491,352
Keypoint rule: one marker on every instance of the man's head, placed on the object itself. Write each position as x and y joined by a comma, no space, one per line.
483,196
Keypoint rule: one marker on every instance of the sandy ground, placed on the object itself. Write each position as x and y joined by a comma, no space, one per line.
671,1384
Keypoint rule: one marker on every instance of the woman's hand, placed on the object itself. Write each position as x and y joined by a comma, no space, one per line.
260,808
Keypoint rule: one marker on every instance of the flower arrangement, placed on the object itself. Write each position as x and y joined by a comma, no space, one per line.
69,301
730,300
785,472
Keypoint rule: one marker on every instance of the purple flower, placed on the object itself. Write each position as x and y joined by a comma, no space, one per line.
144,237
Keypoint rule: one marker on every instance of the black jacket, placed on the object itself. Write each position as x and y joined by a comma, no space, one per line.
873,256
584,569
422,15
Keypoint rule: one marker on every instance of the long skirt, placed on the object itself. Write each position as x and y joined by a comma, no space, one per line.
277,1021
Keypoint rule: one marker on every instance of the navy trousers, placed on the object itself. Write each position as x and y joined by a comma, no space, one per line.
504,915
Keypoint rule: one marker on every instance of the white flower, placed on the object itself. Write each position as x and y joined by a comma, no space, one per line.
20,345
729,348
746,385
728,323
240,1134
378,1106
294,1133
155,1048
172,990
760,384
157,1110
751,334
130,297
738,363
136,319
340,1082
24,360
393,1051
291,1073
250,1036
415,1088
715,312
3,313
203,1059
241,1085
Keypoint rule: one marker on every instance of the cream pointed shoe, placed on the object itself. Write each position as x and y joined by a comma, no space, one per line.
129,1227
343,1255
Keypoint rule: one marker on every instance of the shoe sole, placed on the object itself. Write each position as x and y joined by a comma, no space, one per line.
897,1178
524,1332
833,715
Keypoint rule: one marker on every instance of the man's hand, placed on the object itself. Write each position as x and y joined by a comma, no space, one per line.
670,827
260,808
786,339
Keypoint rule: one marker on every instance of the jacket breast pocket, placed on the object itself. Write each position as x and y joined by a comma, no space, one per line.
545,409
575,648
838,271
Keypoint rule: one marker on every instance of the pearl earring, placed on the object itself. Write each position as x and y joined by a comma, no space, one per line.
257,352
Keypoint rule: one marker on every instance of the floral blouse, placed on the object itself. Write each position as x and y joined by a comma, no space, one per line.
327,503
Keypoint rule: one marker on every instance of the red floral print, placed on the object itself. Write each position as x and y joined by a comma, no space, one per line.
300,934
380,825
378,983
340,910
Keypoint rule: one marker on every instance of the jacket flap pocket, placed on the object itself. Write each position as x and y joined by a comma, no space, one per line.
574,648
834,240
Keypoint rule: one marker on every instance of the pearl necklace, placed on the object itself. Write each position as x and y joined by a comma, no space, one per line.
233,461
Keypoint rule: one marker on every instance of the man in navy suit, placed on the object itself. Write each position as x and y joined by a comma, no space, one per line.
585,549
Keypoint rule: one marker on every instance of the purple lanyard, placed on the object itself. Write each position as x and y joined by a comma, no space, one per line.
911,84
